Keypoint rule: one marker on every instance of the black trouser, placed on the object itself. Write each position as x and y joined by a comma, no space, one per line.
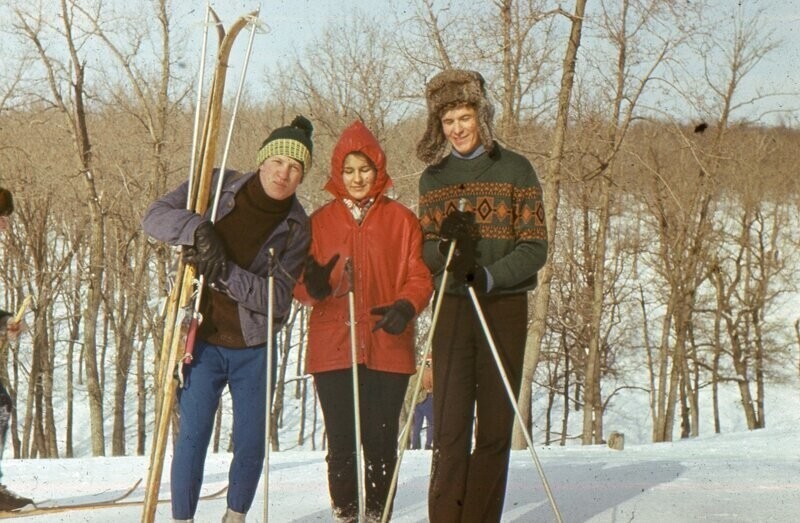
381,397
469,484
5,417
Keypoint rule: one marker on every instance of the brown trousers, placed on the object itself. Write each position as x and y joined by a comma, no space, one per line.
469,484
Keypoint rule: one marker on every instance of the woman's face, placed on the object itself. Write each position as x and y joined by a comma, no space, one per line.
358,175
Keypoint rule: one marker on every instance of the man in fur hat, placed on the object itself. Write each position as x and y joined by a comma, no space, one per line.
258,212
501,243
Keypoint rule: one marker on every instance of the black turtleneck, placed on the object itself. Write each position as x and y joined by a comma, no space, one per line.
244,232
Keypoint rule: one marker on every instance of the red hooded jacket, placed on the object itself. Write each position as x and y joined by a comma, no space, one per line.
386,254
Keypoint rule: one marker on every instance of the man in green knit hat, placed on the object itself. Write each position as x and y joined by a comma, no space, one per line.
501,243
259,214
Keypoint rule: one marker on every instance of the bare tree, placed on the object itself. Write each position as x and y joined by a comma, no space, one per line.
142,95
71,71
552,195
684,209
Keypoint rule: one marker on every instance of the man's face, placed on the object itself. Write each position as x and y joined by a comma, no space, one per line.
460,127
280,176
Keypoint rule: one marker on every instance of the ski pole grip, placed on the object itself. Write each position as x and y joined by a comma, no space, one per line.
462,204
348,270
271,263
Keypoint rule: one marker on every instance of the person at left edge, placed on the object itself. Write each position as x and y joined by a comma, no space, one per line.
9,329
392,284
257,211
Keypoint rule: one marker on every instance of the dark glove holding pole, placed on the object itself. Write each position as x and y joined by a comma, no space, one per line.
473,275
395,316
316,277
458,226
208,253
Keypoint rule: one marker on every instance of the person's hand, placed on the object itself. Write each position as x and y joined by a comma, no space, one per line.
427,377
475,276
395,316
208,253
14,329
457,225
463,259
316,277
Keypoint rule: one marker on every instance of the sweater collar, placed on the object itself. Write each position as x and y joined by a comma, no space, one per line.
471,156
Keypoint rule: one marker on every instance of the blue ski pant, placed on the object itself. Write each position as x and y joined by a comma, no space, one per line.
423,413
213,367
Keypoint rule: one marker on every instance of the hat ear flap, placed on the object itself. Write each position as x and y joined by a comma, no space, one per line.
430,149
485,115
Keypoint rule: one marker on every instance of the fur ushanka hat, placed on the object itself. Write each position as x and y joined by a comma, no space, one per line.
446,90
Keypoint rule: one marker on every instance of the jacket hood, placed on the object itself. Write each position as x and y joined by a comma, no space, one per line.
357,138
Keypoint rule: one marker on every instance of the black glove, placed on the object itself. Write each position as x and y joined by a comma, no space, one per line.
475,276
395,316
316,276
208,253
464,257
459,226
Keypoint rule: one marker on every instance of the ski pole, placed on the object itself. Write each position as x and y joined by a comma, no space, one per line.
196,127
240,88
179,296
270,348
462,203
195,318
348,268
512,398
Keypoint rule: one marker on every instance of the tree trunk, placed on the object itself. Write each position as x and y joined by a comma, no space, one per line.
552,196
592,412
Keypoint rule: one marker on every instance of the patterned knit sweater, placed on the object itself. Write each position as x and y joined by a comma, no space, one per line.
503,191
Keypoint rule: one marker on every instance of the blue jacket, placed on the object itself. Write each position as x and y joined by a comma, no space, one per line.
168,220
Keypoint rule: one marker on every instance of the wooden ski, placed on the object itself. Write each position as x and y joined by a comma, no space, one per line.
183,290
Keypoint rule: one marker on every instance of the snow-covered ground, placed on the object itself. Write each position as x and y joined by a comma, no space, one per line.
739,477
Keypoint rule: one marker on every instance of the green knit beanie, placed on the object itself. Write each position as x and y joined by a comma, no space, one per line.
292,140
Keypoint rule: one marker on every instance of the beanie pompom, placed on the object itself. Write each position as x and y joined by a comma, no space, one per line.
301,122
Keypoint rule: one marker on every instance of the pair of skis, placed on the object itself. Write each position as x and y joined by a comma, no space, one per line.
119,500
186,292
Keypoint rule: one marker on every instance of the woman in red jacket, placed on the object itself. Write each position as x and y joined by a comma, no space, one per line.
382,242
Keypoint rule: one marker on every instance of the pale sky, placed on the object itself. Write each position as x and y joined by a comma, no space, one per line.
294,24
